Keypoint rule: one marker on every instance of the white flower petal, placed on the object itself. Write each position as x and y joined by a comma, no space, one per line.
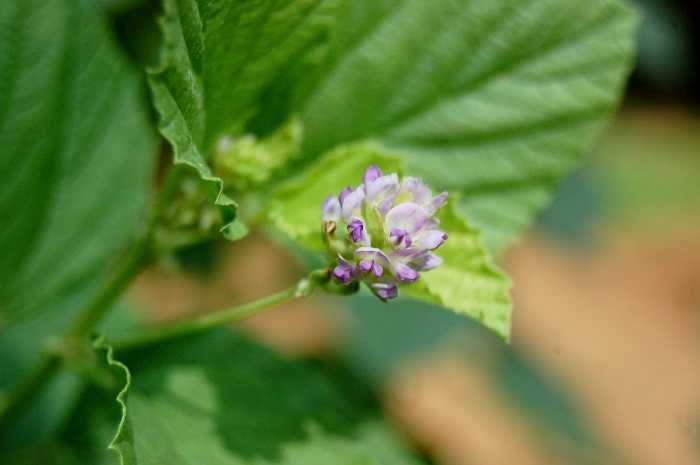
408,216
352,203
331,209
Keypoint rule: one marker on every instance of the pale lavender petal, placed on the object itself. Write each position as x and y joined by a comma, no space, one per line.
420,193
356,229
383,188
331,209
385,291
405,273
352,202
437,202
371,174
430,239
377,269
372,254
386,205
409,217
427,261
344,193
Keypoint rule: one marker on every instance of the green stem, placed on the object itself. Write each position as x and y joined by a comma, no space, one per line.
101,303
199,323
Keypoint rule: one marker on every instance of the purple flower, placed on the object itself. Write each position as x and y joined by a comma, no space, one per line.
356,229
385,291
384,232
344,271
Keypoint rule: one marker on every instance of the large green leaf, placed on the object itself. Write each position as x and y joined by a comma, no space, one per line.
75,153
76,159
219,398
496,99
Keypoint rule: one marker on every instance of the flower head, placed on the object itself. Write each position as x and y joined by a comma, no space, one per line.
383,232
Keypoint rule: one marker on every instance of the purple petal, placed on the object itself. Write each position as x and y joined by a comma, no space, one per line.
369,265
385,291
331,209
409,217
383,188
356,229
344,193
344,272
371,174
430,240
427,261
365,265
400,236
405,273
352,202
420,193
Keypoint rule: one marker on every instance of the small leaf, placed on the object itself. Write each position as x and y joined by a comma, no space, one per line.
247,162
219,398
467,281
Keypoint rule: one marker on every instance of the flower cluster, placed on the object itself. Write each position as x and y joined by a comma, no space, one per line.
384,232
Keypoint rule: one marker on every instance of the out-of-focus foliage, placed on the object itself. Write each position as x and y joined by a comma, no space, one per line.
665,54
77,154
212,398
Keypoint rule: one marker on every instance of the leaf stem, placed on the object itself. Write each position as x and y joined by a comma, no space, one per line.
199,323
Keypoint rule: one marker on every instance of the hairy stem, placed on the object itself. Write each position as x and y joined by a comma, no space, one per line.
198,323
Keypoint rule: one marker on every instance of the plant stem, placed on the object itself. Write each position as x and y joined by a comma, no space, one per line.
118,282
199,323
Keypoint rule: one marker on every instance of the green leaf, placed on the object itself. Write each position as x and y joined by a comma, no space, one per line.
495,99
247,162
76,154
217,60
219,398
295,208
467,281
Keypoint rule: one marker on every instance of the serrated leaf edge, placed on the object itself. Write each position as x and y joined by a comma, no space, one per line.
100,343
490,265
233,229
